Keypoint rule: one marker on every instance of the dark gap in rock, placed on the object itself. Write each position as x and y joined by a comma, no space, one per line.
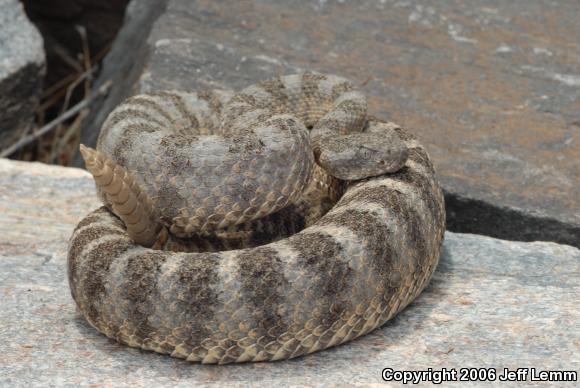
469,215
70,29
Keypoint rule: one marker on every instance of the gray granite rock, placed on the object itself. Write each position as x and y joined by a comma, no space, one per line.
491,88
122,65
492,303
21,71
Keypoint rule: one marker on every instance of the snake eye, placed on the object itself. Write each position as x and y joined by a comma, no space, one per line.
365,152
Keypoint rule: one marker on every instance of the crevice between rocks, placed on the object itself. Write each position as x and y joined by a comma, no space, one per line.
469,215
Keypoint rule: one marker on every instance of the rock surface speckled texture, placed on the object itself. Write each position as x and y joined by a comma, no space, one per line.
21,71
492,89
492,303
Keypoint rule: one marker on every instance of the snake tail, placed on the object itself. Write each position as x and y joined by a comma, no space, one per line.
131,204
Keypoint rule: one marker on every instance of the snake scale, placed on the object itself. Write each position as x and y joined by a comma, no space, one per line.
254,226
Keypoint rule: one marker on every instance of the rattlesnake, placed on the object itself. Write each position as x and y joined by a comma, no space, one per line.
176,263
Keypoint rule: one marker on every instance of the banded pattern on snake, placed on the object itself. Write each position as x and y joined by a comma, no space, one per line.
329,251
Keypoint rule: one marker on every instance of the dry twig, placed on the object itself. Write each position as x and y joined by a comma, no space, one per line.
65,116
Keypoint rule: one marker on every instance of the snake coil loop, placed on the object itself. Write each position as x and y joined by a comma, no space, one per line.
255,226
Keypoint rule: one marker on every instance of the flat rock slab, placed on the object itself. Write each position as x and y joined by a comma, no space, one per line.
21,71
492,303
492,89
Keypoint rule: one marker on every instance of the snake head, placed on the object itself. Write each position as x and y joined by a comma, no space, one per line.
362,155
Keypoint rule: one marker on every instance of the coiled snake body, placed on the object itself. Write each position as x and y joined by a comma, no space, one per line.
257,226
